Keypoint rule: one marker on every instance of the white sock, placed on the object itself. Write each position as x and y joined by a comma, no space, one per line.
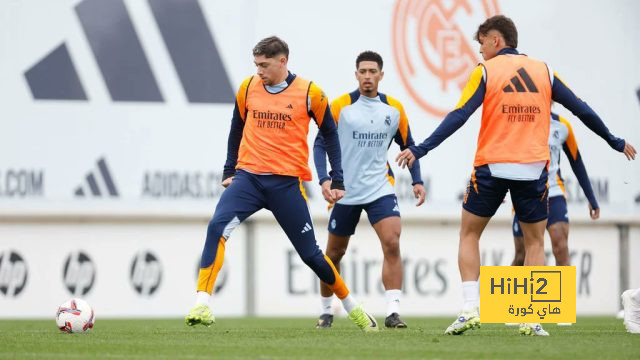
470,294
202,297
636,296
393,301
326,305
349,303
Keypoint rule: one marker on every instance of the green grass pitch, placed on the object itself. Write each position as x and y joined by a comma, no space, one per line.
295,338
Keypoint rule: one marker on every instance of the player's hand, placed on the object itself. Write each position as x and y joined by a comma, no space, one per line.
629,151
337,194
326,191
420,193
405,158
594,213
226,182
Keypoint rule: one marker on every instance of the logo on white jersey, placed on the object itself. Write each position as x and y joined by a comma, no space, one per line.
387,120
306,228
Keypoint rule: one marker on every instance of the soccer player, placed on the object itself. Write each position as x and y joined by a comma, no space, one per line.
515,92
631,305
560,137
367,120
267,160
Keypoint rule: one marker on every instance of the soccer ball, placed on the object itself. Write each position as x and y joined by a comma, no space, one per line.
75,316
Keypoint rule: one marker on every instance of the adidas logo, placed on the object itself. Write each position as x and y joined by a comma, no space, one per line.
306,228
290,106
123,63
98,182
519,87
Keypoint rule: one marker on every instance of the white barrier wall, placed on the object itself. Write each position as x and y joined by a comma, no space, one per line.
432,282
148,269
121,269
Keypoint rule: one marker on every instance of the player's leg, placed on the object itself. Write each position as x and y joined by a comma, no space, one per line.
531,204
384,216
241,199
342,224
518,242
532,208
336,248
558,227
287,200
483,197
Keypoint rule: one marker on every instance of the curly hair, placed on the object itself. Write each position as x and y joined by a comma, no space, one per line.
501,24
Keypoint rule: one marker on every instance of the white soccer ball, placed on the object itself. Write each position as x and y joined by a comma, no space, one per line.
75,316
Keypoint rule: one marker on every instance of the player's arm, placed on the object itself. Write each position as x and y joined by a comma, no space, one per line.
320,112
320,159
570,148
471,98
404,139
319,150
236,131
561,93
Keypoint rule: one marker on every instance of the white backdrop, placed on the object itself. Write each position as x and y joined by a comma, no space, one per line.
165,156
163,159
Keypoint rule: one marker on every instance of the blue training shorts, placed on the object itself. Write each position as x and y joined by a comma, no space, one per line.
557,213
344,218
485,194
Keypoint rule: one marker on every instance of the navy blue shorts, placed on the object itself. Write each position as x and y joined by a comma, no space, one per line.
485,194
344,218
557,213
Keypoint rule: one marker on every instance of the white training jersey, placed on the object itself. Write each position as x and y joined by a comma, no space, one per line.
366,127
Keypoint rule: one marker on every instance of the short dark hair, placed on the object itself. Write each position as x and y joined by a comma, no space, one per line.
369,56
271,47
503,25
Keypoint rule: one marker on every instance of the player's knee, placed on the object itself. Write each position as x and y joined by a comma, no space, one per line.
469,235
533,244
215,228
336,252
313,260
391,247
560,250
558,235
221,226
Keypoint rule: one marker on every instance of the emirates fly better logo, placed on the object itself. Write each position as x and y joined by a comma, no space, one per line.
433,49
